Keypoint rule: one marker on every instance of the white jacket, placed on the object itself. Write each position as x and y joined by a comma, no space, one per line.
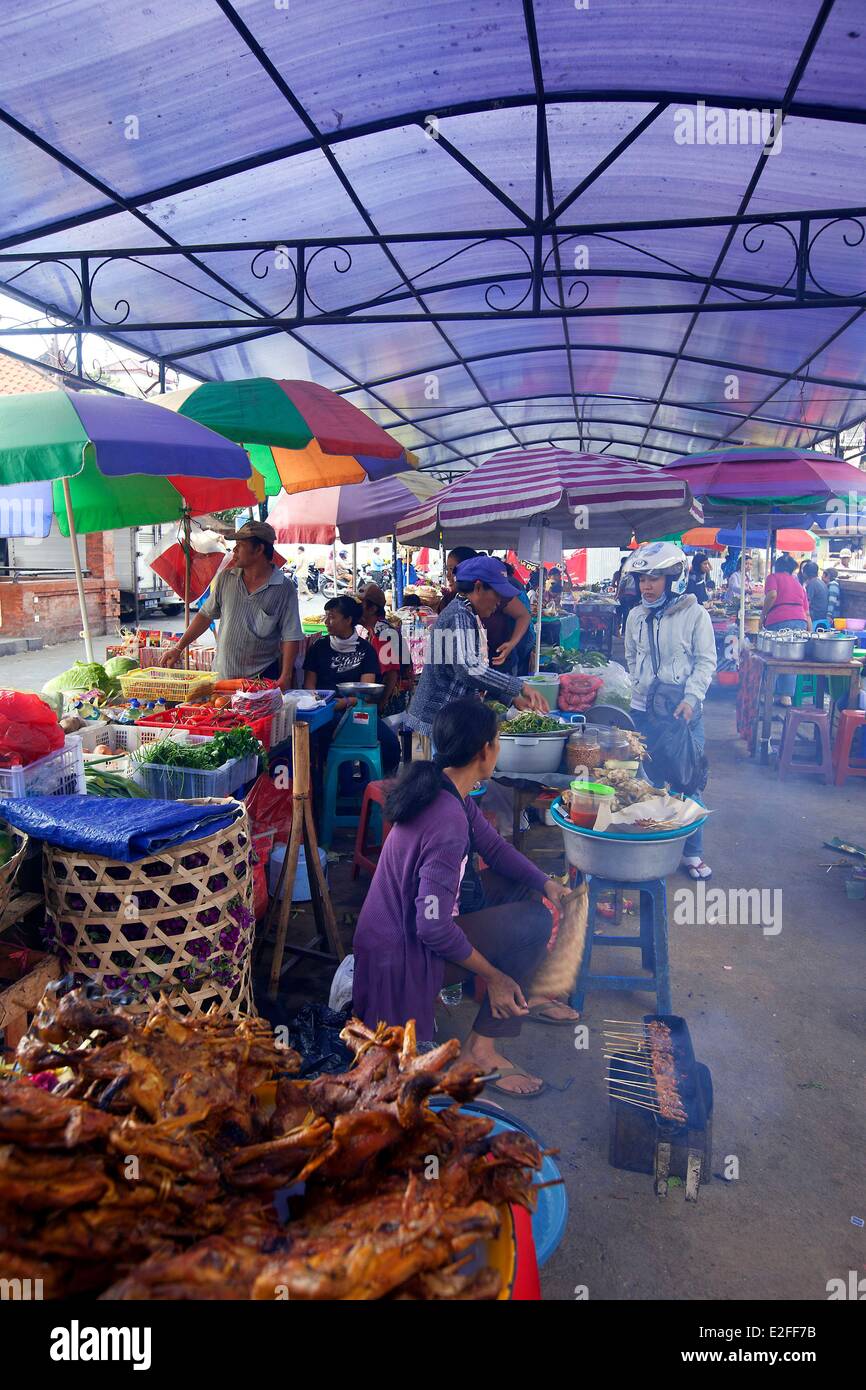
686,647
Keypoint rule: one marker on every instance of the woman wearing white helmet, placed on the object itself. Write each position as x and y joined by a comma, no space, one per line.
671,653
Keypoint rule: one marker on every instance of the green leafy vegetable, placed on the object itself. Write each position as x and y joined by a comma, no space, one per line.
531,723
84,675
222,748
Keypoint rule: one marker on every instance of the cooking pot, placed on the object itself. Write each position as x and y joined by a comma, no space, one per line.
831,648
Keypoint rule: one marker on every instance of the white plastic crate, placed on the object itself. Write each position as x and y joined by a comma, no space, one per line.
185,783
282,721
59,774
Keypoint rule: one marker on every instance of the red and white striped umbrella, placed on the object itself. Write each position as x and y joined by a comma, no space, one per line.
592,498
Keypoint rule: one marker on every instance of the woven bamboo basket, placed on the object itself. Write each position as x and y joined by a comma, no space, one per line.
9,870
178,923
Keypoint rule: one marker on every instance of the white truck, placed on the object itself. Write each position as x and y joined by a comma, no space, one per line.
137,582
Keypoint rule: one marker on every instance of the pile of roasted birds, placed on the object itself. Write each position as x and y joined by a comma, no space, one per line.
149,1170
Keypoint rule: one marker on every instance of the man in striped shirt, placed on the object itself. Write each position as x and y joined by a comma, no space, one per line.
257,605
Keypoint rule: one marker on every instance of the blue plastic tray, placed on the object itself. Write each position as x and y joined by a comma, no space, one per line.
550,1217
567,824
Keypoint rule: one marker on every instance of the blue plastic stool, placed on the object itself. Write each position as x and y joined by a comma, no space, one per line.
355,741
652,941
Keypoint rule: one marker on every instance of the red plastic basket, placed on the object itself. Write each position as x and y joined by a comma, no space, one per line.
167,720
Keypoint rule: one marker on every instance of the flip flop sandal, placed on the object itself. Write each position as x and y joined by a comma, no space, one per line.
516,1095
694,871
538,1014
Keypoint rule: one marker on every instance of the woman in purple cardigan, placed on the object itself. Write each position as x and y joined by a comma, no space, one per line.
411,938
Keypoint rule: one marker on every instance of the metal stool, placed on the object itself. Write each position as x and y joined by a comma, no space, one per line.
652,941
375,794
823,765
844,765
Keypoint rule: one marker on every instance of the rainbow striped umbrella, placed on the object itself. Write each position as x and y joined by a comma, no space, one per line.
122,461
299,435
99,462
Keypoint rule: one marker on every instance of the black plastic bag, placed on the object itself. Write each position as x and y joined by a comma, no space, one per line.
314,1032
676,757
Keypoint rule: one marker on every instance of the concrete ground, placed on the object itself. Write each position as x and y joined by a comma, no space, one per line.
779,1020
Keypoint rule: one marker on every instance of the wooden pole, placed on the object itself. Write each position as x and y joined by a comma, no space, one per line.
303,832
187,567
79,577
743,586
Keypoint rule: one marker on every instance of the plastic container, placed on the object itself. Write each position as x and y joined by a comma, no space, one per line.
623,858
301,892
190,783
546,685
167,684
531,752
584,801
60,773
260,727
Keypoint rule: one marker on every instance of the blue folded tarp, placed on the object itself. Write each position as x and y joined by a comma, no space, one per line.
114,827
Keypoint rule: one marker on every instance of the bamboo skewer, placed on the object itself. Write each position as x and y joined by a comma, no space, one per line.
630,1100
626,1080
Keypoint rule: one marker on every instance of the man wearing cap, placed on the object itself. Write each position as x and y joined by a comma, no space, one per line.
257,605
457,661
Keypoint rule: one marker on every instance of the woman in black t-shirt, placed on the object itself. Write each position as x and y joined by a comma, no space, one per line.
342,655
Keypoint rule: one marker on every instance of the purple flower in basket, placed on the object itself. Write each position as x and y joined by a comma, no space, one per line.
241,913
229,937
90,959
208,917
199,947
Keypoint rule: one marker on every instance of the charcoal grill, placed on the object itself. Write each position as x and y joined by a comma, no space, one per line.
642,1138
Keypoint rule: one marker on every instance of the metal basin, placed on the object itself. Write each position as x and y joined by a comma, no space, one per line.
371,693
789,648
836,649
531,752
623,858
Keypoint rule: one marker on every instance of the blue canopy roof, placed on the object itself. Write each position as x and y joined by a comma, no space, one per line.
633,227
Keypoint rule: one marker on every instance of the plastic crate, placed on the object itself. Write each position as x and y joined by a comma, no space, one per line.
125,739
281,724
200,658
159,684
186,783
58,774
260,727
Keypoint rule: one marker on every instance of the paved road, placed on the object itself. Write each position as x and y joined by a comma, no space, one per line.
30,670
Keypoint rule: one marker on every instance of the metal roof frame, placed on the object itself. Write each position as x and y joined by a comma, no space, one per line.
540,289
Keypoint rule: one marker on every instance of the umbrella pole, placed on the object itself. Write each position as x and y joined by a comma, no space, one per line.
334,554
769,557
79,577
743,586
187,567
540,595
354,567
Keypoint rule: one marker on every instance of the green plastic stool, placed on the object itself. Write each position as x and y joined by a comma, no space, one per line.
805,686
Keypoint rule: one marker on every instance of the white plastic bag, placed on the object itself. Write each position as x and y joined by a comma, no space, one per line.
615,683
341,985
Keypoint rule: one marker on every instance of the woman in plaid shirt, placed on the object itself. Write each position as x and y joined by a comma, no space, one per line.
457,662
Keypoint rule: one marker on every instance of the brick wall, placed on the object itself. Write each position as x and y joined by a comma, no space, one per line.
48,608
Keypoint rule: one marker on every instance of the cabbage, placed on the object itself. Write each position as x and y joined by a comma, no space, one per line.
119,665
84,675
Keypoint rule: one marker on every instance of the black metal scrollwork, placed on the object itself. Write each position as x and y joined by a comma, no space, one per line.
268,257
855,238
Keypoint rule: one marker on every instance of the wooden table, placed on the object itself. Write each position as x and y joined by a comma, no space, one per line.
824,670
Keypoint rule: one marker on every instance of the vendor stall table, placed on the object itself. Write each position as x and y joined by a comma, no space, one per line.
769,668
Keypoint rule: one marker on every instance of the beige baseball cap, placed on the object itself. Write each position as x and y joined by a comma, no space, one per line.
256,531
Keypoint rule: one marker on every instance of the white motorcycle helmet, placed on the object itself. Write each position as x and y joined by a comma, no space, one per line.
661,557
